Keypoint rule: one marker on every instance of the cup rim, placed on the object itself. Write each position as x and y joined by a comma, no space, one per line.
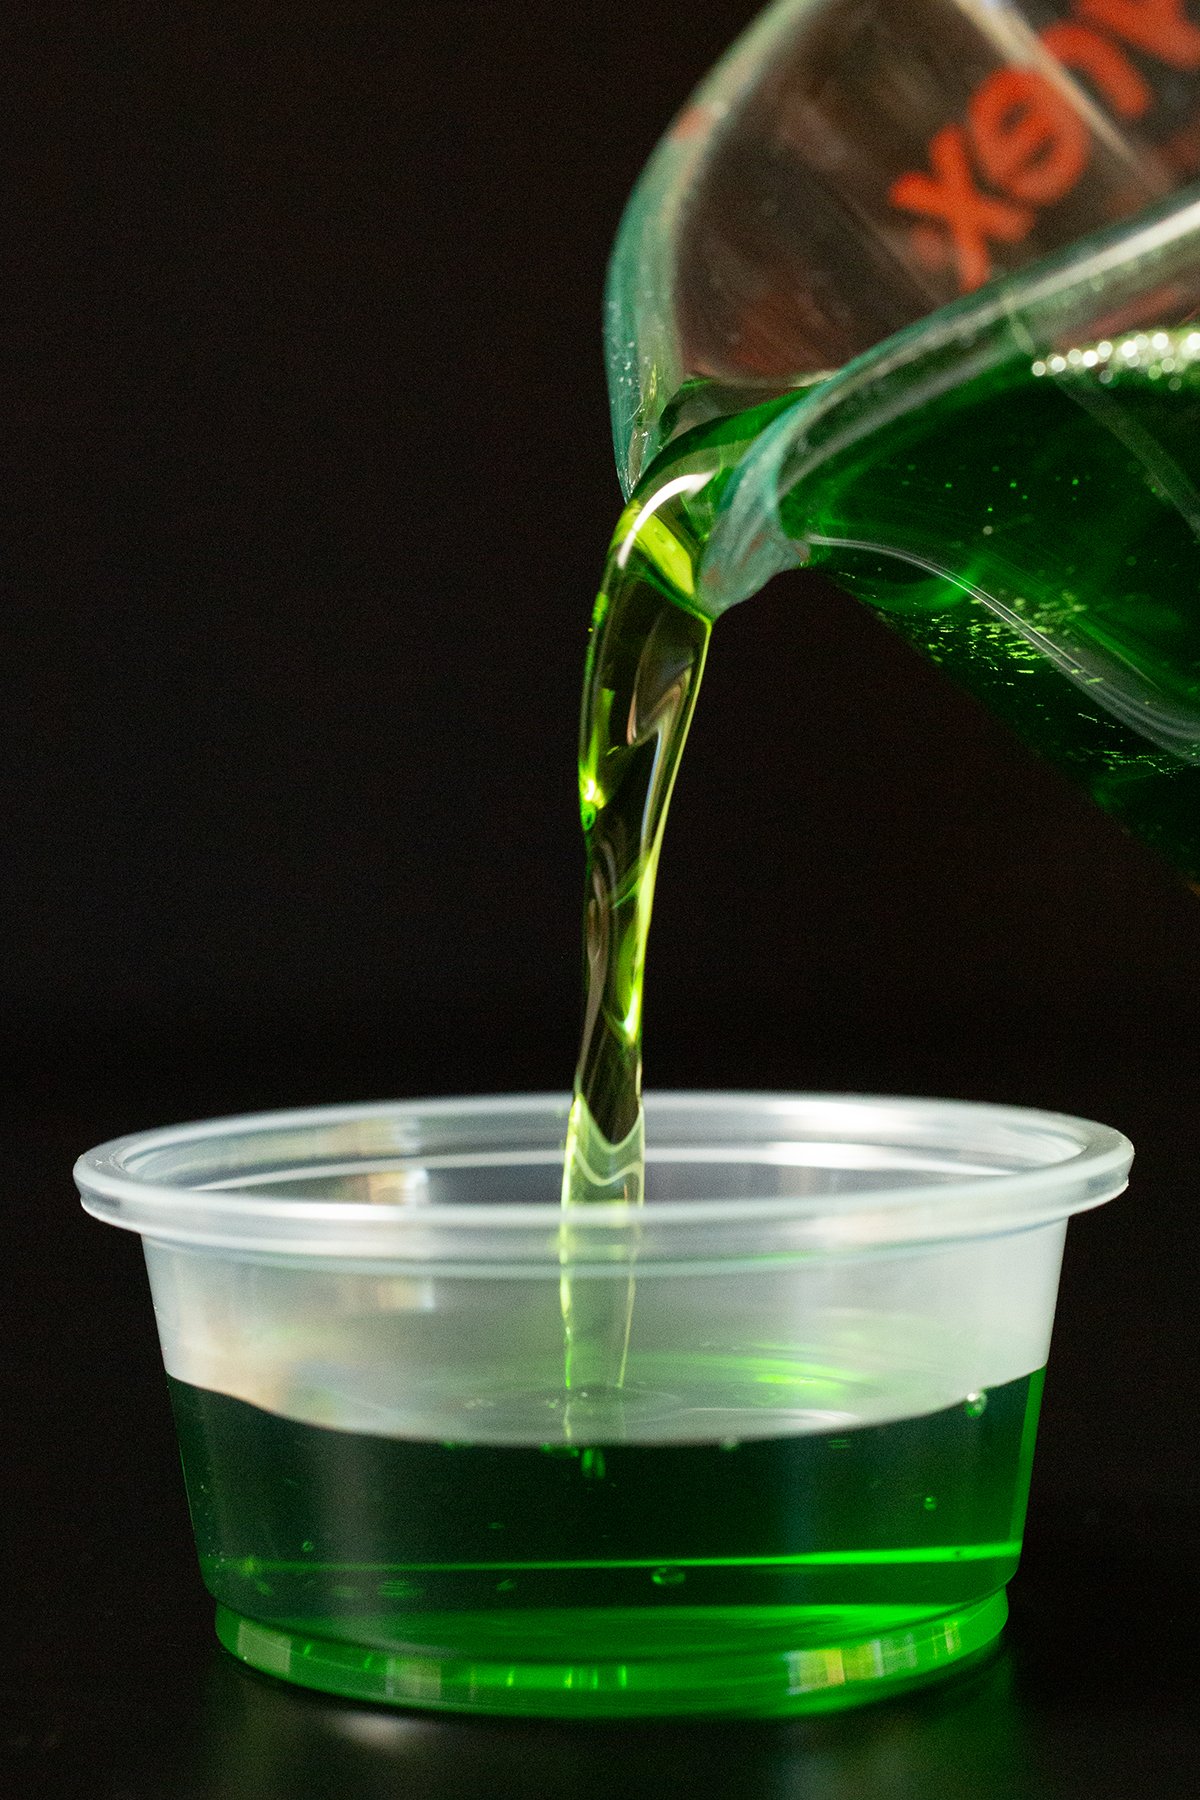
1073,1164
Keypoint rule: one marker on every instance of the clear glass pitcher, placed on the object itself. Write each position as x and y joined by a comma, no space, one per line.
956,237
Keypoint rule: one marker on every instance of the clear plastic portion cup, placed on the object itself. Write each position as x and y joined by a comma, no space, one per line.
809,1491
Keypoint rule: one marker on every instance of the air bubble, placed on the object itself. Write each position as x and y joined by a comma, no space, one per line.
974,1404
400,1590
668,1577
930,1503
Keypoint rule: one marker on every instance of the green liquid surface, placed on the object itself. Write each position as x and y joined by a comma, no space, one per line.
612,1578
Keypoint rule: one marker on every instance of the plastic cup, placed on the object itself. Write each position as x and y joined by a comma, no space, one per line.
809,1491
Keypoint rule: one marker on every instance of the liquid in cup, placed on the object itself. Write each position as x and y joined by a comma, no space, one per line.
809,1491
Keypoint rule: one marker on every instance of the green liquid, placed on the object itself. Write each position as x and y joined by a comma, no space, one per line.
1060,511
645,660
619,1577
1034,532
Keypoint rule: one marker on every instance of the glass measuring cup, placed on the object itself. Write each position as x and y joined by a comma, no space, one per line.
960,234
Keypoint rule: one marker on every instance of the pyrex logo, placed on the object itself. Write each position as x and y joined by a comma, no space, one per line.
1023,146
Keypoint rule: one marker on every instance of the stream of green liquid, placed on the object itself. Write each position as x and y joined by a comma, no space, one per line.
1034,532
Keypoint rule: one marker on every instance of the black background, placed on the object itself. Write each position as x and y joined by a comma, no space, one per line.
310,478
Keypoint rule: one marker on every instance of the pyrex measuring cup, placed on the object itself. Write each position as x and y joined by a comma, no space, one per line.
961,231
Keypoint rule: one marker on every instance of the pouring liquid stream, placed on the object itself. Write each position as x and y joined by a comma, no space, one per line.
1036,532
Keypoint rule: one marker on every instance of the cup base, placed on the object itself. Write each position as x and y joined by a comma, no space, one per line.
775,1684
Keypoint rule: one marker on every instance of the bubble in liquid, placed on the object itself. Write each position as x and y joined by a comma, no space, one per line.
400,1590
506,1586
930,1503
591,1465
974,1404
668,1577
